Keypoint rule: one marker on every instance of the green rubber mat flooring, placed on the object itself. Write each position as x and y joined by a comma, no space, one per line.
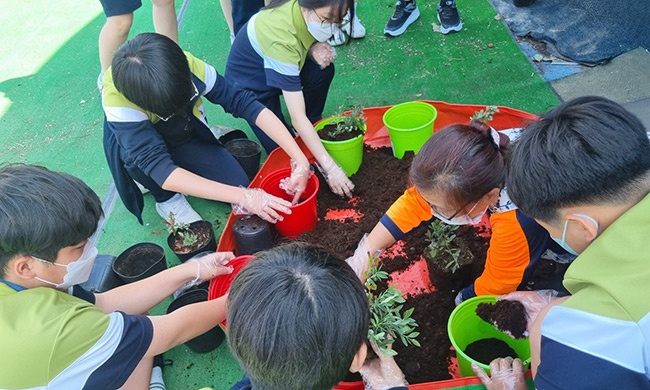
50,108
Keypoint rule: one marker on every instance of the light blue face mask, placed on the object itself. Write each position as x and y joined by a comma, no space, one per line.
562,242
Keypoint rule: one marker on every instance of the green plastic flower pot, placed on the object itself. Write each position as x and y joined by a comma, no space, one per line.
409,126
465,327
348,154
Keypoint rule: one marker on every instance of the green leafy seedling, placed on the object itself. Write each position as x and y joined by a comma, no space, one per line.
347,123
440,236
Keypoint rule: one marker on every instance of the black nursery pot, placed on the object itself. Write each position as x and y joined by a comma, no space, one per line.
247,153
210,246
209,340
252,234
102,277
140,261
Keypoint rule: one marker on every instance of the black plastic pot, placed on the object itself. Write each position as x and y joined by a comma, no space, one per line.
252,234
209,340
247,153
140,261
522,3
102,277
209,246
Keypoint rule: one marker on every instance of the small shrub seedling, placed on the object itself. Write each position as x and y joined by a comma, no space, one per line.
439,236
181,230
485,115
347,123
387,322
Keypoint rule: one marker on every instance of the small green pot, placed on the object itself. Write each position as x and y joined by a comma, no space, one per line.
348,154
409,126
464,327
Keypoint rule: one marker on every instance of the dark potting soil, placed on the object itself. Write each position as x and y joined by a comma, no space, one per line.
382,179
486,350
324,133
138,261
508,316
203,234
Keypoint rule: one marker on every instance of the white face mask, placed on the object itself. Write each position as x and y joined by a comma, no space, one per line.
463,219
320,30
78,270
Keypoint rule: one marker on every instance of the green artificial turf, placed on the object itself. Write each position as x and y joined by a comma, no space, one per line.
50,108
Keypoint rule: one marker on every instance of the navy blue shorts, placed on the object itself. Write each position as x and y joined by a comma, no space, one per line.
120,7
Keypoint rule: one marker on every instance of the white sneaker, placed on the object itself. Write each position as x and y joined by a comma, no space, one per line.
180,208
358,30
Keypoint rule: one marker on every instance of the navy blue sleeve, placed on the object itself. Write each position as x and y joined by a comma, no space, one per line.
81,293
235,100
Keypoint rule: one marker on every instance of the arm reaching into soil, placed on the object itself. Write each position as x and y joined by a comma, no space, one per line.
371,244
507,374
140,296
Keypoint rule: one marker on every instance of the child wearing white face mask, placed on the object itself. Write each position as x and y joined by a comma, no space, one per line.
458,177
283,51
53,333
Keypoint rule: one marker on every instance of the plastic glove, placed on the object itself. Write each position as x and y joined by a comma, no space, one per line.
533,301
295,184
209,265
382,373
257,201
360,261
507,374
322,53
336,177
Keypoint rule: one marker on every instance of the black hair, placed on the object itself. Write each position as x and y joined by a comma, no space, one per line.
461,162
589,150
339,5
297,315
42,211
152,71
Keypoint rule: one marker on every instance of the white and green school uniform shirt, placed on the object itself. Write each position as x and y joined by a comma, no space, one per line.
599,338
271,57
53,340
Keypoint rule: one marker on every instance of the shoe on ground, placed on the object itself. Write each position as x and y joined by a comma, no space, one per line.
181,209
448,17
404,15
358,30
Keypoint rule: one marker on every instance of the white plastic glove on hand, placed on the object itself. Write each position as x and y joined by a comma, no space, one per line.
507,374
295,184
209,265
360,261
533,301
382,373
336,177
322,53
257,201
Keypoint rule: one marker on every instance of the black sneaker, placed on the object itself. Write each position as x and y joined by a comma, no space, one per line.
405,14
448,17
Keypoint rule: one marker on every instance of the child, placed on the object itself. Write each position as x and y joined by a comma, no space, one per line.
54,334
298,319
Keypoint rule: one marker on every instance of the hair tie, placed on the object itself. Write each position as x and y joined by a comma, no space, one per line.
495,137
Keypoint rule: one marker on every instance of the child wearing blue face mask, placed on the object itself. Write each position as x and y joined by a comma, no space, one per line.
53,333
282,51
593,195
458,177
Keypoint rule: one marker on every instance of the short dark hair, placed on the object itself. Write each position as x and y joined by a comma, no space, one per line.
461,162
297,315
42,211
588,150
152,71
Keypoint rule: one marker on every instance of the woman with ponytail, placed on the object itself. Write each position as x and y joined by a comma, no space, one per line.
458,176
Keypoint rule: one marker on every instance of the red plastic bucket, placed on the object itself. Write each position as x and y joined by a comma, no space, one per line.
219,286
303,215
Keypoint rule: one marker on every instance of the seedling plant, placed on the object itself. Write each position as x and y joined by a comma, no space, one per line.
181,230
347,123
387,322
440,236
485,115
